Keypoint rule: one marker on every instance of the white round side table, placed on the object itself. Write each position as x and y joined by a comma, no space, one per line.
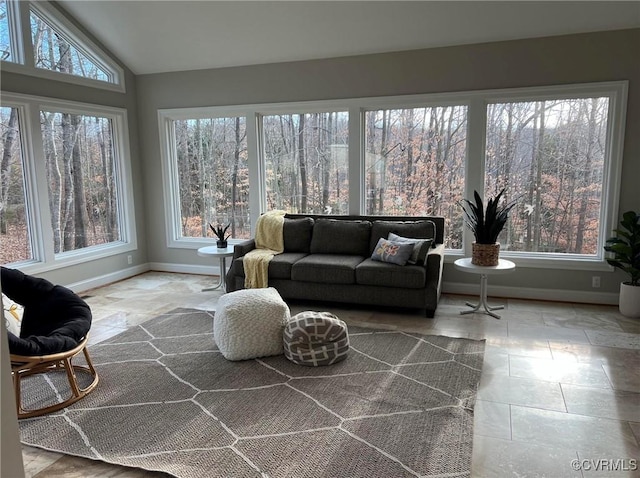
504,267
221,254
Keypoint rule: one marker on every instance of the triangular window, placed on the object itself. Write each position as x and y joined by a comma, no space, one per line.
52,50
57,48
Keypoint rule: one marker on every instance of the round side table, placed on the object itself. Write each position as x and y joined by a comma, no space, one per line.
221,254
504,267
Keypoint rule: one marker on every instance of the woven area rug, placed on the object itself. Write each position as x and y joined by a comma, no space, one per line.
400,405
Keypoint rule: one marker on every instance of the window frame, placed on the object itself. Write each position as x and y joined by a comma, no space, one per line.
36,188
612,171
20,25
170,177
476,103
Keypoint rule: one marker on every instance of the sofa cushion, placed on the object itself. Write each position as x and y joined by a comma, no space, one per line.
337,236
326,268
371,272
420,248
392,252
279,266
423,229
297,234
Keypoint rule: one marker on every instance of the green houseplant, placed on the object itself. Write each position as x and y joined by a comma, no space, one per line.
625,250
486,225
220,232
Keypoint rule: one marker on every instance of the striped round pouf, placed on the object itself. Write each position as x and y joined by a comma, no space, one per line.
315,339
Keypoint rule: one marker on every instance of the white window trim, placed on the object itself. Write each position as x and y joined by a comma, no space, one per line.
44,258
476,102
617,92
15,33
24,64
171,189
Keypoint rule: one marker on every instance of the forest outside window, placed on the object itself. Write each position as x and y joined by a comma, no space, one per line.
415,164
54,51
80,166
80,154
557,149
56,47
306,162
14,229
551,155
213,176
7,44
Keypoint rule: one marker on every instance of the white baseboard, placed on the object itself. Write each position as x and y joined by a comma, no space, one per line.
579,296
108,278
186,268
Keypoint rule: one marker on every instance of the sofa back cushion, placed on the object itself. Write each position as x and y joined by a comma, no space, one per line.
423,229
297,234
337,236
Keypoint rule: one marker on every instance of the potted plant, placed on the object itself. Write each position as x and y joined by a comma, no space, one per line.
220,232
625,247
486,225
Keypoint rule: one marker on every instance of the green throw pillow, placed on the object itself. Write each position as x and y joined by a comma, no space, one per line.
392,252
420,247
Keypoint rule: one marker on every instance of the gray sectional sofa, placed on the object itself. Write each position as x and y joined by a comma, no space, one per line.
328,258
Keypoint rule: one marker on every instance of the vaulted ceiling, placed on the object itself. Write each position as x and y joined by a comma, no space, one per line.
160,36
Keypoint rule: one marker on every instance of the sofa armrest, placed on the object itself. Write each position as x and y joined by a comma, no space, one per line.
437,250
242,248
434,265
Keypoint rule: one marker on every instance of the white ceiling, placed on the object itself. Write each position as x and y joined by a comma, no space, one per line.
152,36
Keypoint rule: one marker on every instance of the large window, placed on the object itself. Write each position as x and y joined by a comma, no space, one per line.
14,229
557,150
81,175
57,48
415,164
213,177
79,155
306,158
550,155
5,33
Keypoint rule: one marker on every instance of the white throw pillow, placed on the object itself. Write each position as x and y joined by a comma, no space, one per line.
12,312
420,248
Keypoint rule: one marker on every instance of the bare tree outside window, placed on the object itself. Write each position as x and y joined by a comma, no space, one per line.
14,231
53,51
306,162
80,165
415,164
6,53
551,154
213,175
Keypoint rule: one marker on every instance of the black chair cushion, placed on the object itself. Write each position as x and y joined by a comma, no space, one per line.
55,318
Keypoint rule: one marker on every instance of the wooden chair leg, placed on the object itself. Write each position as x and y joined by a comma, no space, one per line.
21,365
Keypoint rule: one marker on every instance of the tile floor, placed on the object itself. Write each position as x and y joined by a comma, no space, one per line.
559,395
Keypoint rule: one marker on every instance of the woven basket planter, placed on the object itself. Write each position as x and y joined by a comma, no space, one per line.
485,255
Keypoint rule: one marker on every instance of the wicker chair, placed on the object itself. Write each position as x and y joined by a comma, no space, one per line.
54,332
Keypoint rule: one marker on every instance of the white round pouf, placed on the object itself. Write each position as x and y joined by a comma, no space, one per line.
248,323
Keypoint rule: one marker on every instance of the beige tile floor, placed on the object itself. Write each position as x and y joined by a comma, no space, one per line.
561,382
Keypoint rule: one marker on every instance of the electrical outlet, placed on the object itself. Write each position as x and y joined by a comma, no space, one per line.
130,261
595,282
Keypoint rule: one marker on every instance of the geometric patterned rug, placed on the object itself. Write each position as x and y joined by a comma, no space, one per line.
400,405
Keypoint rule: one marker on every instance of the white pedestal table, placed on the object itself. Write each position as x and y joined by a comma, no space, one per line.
504,267
221,254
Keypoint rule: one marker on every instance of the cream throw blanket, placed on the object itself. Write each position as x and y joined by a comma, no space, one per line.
269,242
